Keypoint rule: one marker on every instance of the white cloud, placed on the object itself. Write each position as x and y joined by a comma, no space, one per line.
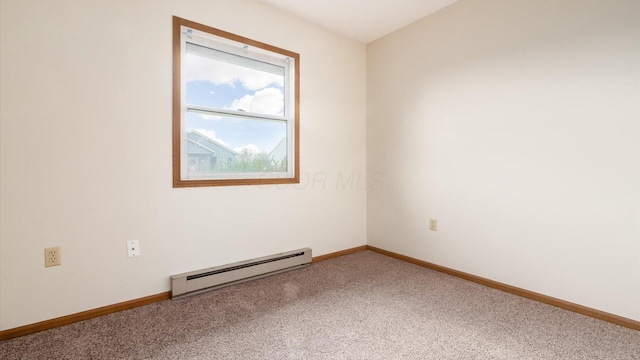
210,117
266,101
251,149
199,68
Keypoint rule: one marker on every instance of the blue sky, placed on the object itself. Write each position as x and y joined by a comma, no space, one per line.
222,85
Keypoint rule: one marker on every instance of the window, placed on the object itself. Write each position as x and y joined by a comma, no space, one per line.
235,109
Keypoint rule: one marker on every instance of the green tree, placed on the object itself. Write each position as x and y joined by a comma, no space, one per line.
248,161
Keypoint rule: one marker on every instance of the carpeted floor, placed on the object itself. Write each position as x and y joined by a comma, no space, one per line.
359,306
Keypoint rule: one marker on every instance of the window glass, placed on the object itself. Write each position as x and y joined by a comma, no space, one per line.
227,145
221,80
235,109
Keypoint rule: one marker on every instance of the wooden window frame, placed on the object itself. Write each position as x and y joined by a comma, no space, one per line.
178,181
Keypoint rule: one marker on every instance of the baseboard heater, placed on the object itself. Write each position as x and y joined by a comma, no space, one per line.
196,282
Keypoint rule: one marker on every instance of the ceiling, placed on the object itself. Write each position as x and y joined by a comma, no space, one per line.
361,20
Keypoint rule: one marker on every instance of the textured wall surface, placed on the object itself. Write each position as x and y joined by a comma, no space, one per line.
86,154
517,125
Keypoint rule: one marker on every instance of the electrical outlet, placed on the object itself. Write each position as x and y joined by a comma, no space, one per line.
133,248
433,224
52,256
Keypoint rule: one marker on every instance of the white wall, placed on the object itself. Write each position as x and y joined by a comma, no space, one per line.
517,125
86,154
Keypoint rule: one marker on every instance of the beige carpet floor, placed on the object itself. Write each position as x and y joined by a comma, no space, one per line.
360,306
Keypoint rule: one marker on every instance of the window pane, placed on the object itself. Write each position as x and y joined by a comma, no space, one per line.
224,144
226,81
236,112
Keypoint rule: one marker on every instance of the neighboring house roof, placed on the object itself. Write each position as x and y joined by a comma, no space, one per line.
199,143
280,151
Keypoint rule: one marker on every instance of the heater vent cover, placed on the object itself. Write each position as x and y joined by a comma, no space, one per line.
196,282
